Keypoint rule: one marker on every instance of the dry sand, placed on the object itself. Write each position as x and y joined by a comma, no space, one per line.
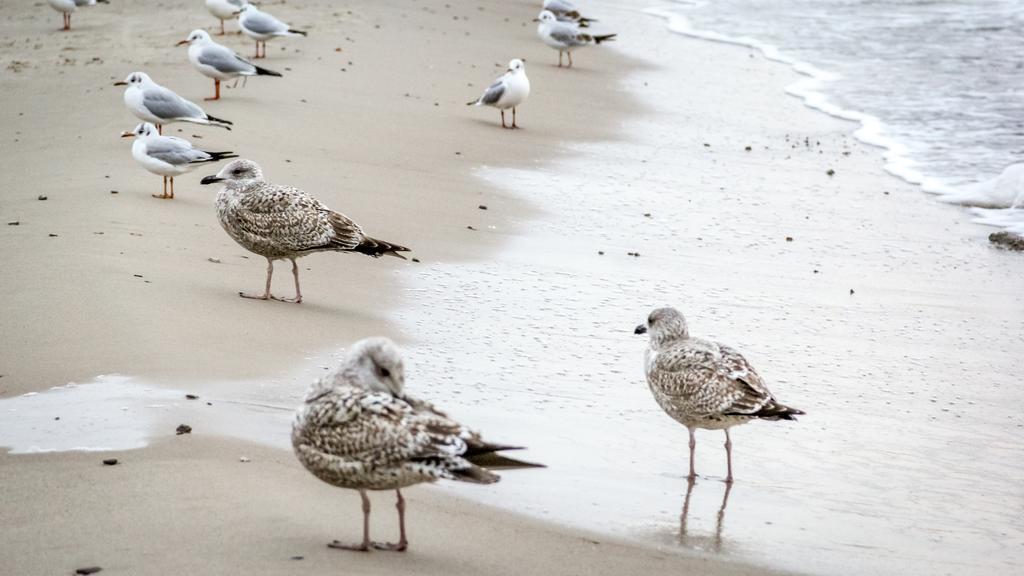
97,282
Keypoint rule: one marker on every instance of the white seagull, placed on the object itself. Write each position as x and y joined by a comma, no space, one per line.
168,156
358,429
219,62
66,7
565,36
261,26
508,91
151,102
703,384
566,11
224,10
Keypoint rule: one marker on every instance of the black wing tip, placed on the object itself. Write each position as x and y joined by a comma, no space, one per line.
377,248
303,32
604,38
265,72
220,121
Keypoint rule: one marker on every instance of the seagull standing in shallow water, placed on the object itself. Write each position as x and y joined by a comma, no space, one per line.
565,36
508,91
168,156
358,429
66,7
285,223
261,26
151,102
703,384
219,62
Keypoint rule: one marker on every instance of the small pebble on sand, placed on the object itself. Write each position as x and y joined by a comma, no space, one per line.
184,429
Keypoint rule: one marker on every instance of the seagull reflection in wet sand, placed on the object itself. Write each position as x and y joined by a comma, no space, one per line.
699,542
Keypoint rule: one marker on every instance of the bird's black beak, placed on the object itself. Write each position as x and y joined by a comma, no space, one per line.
210,180
641,329
120,83
536,19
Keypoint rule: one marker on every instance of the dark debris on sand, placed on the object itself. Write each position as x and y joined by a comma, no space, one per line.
184,429
1007,240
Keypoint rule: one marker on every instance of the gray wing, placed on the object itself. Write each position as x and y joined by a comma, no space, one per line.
568,34
263,23
710,380
174,151
291,219
224,60
558,7
238,3
165,104
494,92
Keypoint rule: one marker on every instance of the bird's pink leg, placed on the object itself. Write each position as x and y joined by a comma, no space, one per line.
221,28
257,50
266,293
559,58
503,119
514,117
728,455
298,292
570,58
693,448
402,543
365,546
172,186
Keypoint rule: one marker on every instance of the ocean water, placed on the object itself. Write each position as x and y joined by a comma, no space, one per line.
934,82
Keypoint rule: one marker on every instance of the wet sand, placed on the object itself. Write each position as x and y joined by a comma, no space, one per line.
520,325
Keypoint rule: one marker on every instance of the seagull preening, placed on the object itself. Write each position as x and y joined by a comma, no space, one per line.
224,10
508,91
261,26
358,429
566,11
285,223
703,384
151,102
565,36
66,7
168,156
219,62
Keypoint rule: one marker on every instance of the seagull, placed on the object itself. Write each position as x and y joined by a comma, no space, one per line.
219,62
357,429
66,7
168,156
703,384
224,10
508,91
261,26
151,102
565,36
285,223
565,11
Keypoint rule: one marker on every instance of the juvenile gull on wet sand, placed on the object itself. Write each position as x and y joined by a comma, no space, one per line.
66,7
168,156
508,91
285,223
219,62
358,429
261,26
565,36
151,102
703,384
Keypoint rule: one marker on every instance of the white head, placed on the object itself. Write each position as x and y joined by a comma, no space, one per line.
197,36
137,79
373,364
237,174
516,65
546,16
664,325
143,130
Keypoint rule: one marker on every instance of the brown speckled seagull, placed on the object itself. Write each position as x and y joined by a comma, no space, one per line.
703,384
357,429
285,223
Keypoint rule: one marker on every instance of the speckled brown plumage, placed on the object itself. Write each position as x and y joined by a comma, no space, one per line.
703,384
285,223
357,429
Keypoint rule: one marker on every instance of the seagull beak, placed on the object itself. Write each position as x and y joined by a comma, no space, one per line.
120,83
236,12
210,180
536,19
182,42
641,329
127,134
